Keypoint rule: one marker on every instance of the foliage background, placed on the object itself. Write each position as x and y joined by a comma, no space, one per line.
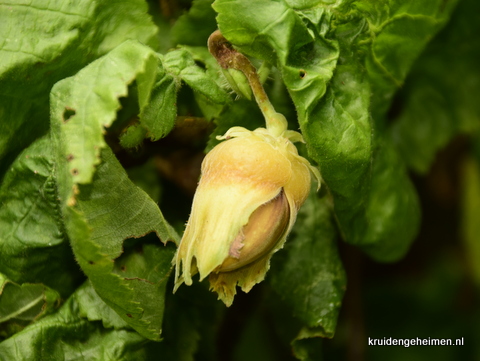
385,93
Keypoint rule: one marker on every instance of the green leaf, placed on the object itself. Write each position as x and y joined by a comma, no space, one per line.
85,104
33,244
23,304
308,349
194,27
66,335
308,275
181,64
100,216
440,99
202,56
158,86
92,307
157,95
193,317
108,211
47,41
398,31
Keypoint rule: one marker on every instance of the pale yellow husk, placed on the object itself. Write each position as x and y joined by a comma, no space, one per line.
239,175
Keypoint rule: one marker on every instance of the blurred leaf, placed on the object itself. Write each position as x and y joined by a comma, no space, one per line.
256,342
392,217
194,27
440,98
33,244
397,33
308,349
191,323
471,214
23,304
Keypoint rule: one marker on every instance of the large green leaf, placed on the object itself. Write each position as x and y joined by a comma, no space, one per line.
392,216
84,105
45,41
340,68
108,211
100,205
33,244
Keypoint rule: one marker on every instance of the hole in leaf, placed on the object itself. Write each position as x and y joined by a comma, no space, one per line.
70,157
68,114
200,65
74,171
302,73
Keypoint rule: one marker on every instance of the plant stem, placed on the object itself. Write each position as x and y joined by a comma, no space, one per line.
229,58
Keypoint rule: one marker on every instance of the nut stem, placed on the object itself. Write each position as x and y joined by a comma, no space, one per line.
229,58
